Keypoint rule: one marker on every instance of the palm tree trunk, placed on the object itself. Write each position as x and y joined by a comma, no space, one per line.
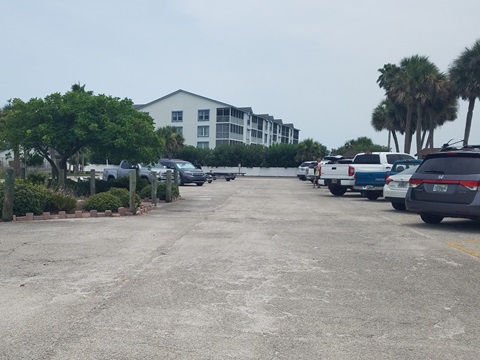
468,124
408,135
395,140
419,131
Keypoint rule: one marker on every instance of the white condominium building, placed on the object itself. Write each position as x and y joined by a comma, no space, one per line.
207,123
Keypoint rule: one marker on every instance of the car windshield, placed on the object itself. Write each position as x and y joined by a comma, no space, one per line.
184,165
153,166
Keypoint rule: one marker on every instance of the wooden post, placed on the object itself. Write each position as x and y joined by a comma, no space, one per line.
133,188
61,178
7,214
168,187
154,187
175,176
92,182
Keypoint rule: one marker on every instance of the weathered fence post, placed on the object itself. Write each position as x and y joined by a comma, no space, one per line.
61,178
154,187
168,187
133,188
175,176
7,214
92,182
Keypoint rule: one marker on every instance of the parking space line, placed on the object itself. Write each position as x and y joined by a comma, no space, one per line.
460,245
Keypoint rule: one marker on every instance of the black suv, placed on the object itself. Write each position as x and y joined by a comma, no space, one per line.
446,184
187,172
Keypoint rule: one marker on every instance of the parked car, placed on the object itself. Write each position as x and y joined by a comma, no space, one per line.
401,165
446,184
187,172
341,176
143,171
396,186
302,170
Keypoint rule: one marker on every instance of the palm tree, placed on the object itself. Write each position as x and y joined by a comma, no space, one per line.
410,85
172,138
385,117
465,77
442,107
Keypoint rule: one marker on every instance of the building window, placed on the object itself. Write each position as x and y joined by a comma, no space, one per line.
203,145
223,131
179,129
177,116
223,114
203,115
203,131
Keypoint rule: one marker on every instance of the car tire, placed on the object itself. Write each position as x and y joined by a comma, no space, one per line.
337,190
399,206
200,184
431,219
373,195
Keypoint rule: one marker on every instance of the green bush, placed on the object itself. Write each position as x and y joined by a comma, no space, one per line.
124,196
39,178
103,201
28,198
146,192
61,201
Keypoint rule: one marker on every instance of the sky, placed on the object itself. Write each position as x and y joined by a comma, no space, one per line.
313,63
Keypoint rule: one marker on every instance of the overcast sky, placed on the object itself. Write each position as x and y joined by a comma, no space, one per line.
312,63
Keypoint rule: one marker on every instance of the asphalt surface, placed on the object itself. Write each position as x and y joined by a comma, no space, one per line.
254,268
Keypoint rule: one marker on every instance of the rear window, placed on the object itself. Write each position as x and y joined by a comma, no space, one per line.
367,159
451,164
391,158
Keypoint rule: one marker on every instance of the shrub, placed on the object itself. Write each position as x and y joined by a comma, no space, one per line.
124,196
103,201
28,198
61,201
146,192
39,178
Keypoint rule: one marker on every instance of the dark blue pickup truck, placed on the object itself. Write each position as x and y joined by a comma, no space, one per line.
370,183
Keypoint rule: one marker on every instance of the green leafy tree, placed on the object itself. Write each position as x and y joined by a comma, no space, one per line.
58,126
10,135
309,149
464,74
360,144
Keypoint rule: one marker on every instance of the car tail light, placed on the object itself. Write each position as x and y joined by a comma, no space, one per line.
415,182
351,170
388,180
470,184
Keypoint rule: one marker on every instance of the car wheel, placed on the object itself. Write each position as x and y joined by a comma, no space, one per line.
209,181
399,206
373,195
431,219
200,184
337,190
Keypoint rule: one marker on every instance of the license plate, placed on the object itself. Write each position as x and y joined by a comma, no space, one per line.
440,187
402,184
334,181
368,187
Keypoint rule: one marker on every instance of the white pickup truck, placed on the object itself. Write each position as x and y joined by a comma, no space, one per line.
143,171
340,177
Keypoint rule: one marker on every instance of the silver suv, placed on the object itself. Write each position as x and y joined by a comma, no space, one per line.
446,184
302,170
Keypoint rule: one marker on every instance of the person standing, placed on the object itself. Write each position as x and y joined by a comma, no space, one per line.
316,179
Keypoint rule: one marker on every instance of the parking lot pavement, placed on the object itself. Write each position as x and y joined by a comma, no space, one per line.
253,268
